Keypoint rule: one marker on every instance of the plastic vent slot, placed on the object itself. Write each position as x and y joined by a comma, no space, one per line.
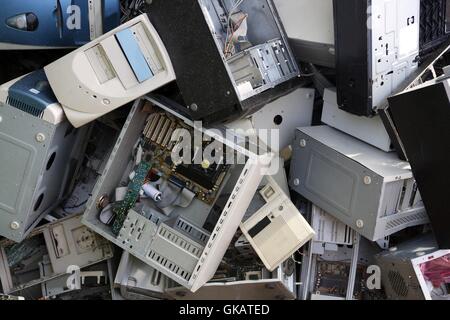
194,232
25,107
180,242
404,220
166,263
398,284
153,218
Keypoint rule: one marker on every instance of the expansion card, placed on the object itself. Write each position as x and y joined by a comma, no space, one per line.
131,197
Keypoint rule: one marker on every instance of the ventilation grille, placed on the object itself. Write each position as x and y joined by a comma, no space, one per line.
408,220
16,103
180,242
432,23
151,216
398,283
166,263
194,232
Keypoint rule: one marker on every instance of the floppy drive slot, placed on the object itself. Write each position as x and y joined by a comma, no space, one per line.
100,64
119,62
147,47
134,55
129,55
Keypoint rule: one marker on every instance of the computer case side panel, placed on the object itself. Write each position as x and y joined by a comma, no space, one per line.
353,45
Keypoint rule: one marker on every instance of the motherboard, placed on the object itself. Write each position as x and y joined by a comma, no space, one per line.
160,137
161,178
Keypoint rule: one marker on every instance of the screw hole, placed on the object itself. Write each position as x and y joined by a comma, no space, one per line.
278,120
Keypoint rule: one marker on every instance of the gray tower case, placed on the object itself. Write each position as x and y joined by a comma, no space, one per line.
371,191
35,157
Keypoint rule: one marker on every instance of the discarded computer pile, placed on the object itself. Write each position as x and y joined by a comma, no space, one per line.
224,149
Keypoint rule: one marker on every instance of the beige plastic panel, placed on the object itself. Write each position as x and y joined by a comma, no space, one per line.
86,96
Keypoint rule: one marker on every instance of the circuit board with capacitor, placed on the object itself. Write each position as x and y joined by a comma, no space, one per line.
159,139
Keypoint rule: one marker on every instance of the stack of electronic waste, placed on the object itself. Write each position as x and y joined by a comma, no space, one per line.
224,150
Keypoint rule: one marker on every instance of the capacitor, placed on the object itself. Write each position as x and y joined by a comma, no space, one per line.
206,164
151,192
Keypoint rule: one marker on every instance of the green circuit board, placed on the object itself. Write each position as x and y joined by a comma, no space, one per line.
131,197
